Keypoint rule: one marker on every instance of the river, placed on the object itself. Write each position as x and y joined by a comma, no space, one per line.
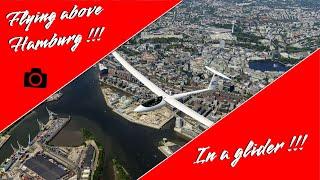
133,145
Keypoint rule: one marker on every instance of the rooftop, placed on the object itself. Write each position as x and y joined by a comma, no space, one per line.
42,166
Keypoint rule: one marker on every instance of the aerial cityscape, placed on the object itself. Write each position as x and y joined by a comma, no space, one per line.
94,129
250,42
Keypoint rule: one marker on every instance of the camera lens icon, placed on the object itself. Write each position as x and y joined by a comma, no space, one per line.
35,79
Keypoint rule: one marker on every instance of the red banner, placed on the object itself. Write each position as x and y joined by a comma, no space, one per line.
274,135
43,47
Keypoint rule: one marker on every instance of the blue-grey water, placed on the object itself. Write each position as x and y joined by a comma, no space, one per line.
267,65
135,146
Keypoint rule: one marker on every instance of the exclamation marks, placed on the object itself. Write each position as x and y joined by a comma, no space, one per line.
297,143
95,34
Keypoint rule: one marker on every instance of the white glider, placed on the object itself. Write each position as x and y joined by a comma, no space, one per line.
164,98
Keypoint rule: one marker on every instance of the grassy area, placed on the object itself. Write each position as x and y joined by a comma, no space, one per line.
289,60
87,135
128,51
291,49
248,37
98,173
160,40
121,173
250,41
257,47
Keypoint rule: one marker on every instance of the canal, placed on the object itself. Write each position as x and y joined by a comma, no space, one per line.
133,145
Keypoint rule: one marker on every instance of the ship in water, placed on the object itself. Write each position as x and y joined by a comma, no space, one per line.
54,97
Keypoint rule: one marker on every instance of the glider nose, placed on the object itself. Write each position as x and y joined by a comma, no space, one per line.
139,109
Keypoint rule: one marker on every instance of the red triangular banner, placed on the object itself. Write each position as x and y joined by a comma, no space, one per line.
120,20
286,112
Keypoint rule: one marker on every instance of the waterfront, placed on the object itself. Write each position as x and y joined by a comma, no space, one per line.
134,146
4,139
267,65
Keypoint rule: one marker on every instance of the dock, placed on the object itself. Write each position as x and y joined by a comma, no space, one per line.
3,140
54,97
155,119
168,148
